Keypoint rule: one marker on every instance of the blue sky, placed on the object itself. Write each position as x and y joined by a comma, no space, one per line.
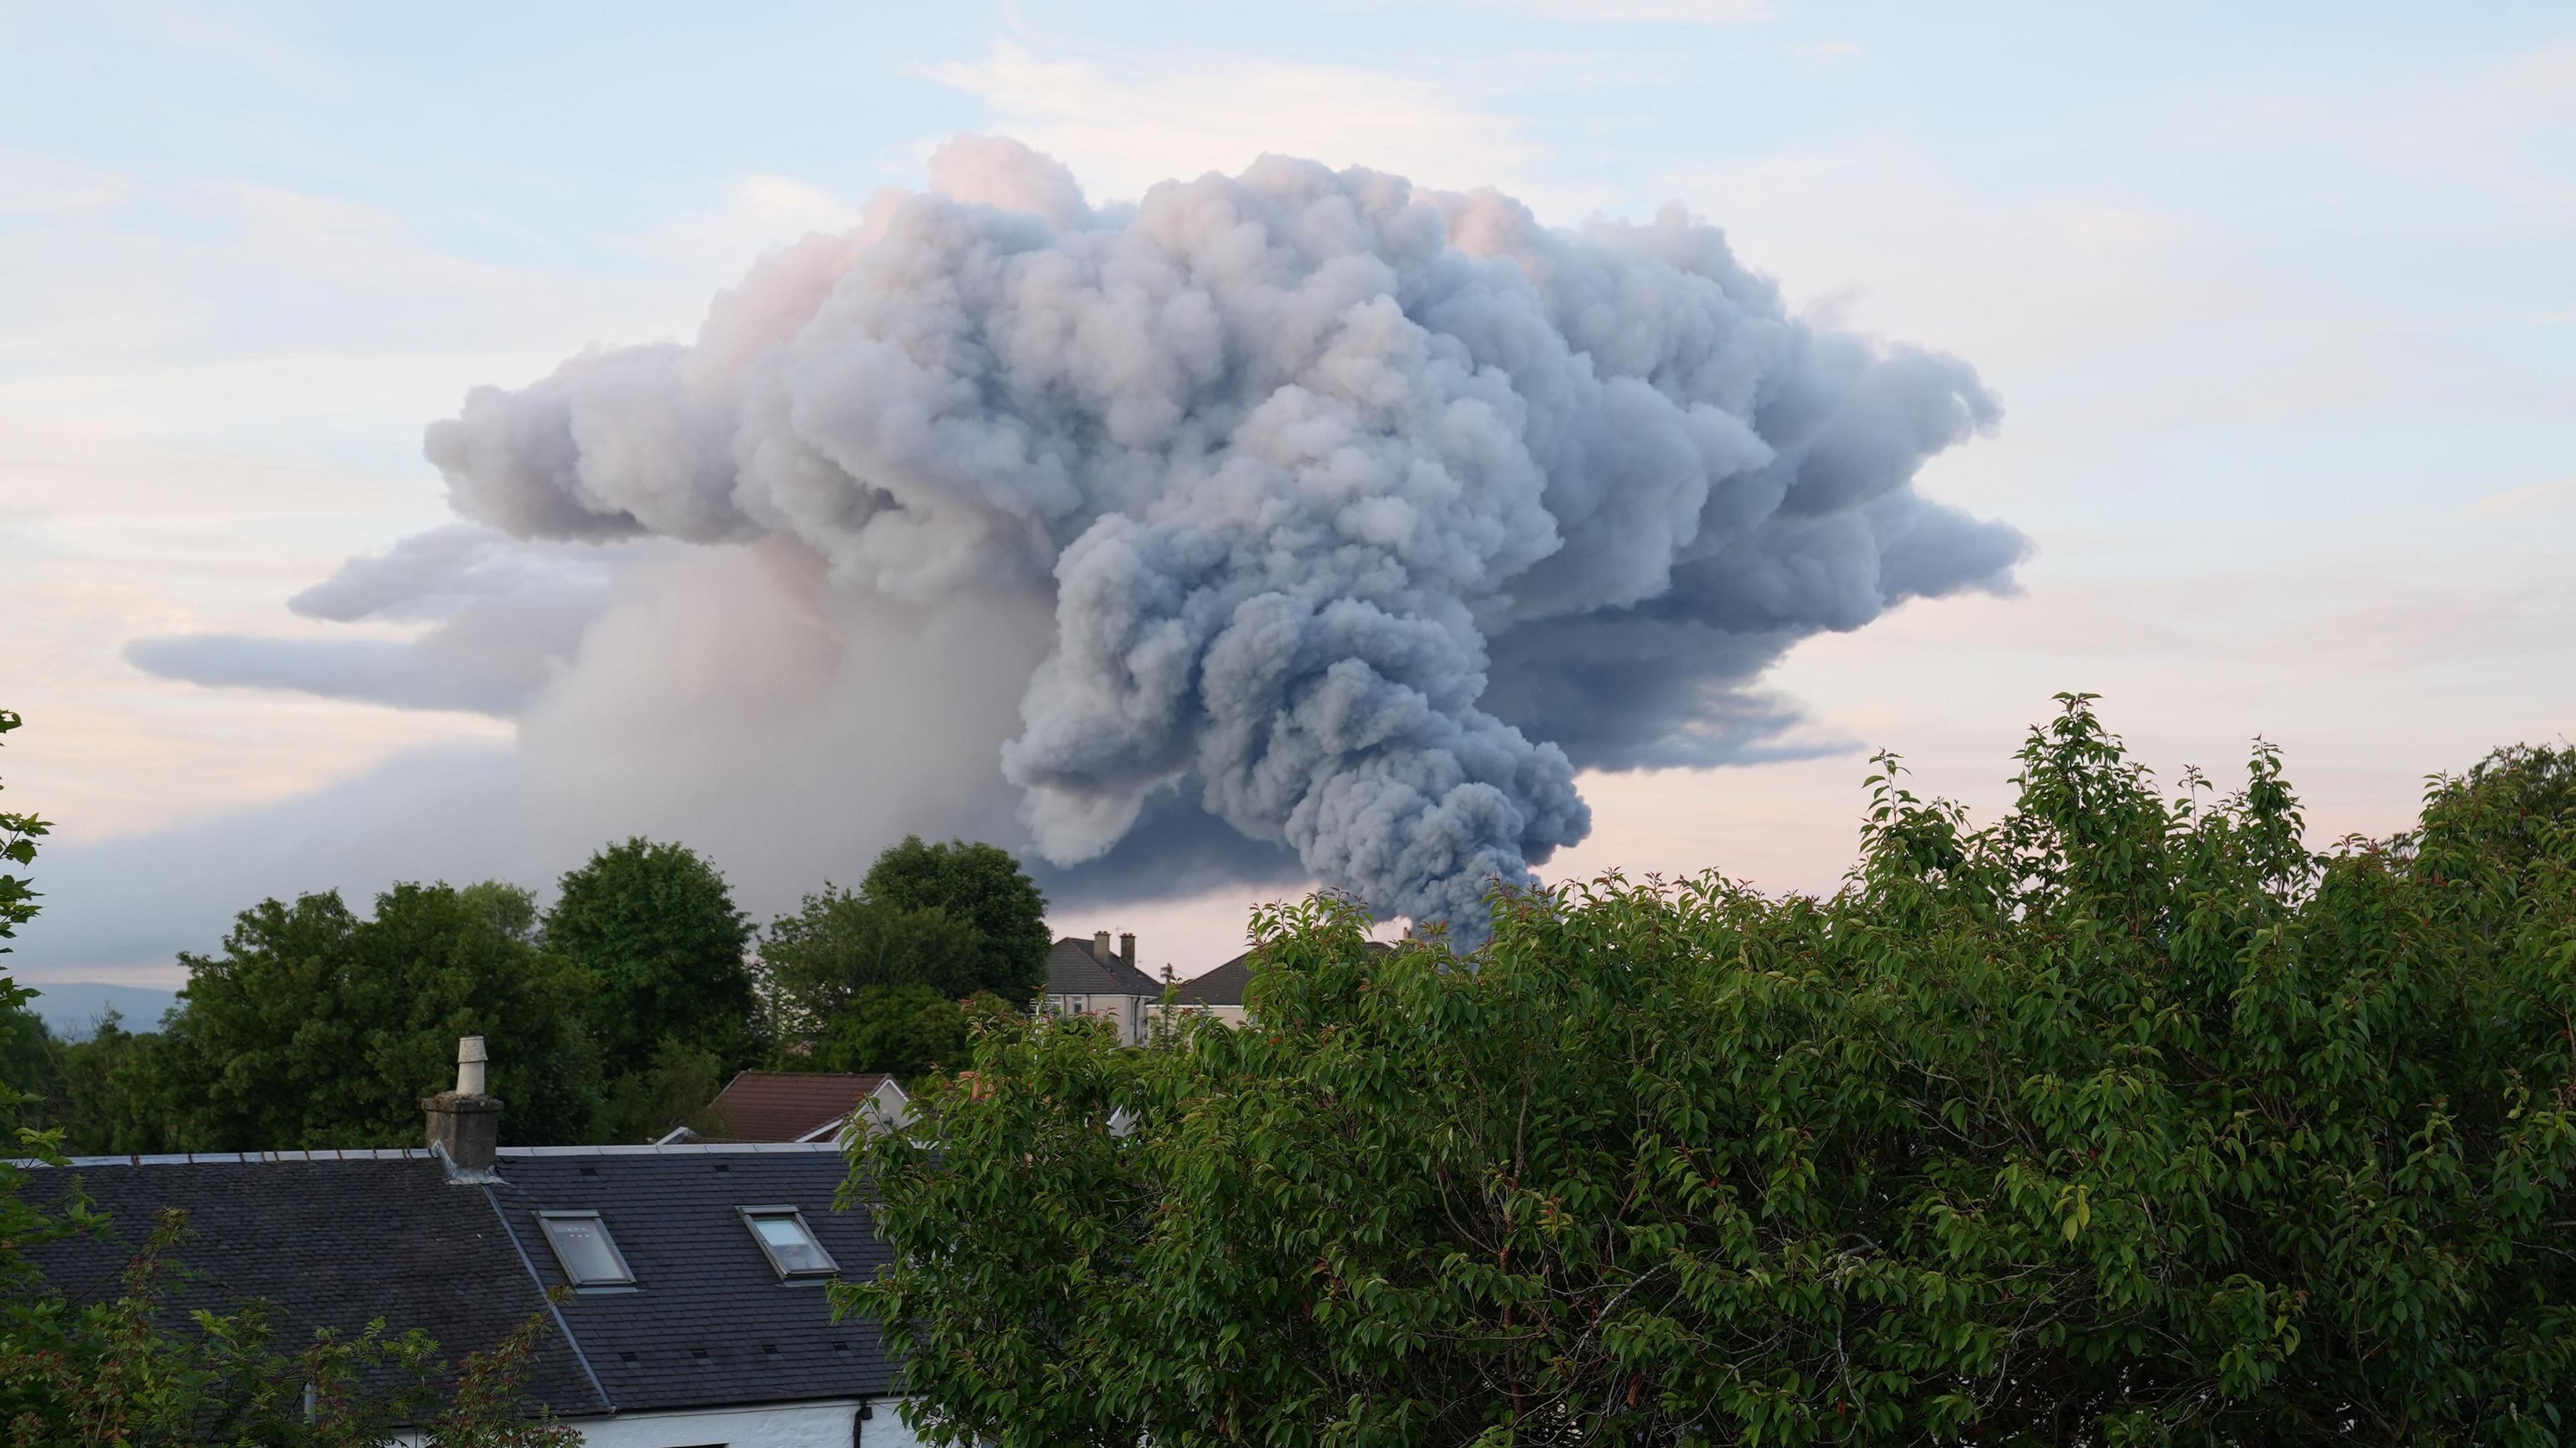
2276,298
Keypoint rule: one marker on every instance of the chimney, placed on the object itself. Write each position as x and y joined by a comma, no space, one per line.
1127,949
465,1124
1100,946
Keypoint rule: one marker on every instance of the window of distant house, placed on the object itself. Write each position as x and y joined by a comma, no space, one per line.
788,1242
589,1255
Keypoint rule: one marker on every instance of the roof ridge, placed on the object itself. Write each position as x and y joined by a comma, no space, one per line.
413,1153
677,1148
228,1158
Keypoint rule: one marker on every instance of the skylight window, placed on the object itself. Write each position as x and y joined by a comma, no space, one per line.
788,1242
588,1254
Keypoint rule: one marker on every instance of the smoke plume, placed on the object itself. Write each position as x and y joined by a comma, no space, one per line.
1354,515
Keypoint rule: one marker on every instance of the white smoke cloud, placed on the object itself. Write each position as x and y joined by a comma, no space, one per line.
1350,514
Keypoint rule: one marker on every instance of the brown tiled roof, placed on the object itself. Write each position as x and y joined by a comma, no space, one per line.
786,1105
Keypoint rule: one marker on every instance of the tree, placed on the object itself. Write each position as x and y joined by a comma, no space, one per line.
656,925
819,960
30,1067
675,1089
94,1104
316,1028
983,886
904,1030
20,1224
18,836
2123,1120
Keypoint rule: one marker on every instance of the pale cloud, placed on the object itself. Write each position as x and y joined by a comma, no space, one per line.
1685,12
251,49
760,214
1879,233
1123,120
34,187
2558,492
211,393
2500,130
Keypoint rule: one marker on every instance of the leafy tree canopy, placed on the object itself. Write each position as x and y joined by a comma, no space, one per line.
905,1030
18,836
316,1028
2123,1120
819,960
656,925
983,886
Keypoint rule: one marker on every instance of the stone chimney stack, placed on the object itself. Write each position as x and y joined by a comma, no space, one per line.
466,1123
1127,950
1100,946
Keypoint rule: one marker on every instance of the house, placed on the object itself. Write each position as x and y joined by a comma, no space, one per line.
694,1274
1087,978
798,1106
1218,993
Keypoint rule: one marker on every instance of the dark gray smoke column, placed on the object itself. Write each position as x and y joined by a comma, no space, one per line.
1351,497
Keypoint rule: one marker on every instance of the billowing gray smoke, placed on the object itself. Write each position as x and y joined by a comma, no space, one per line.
1368,513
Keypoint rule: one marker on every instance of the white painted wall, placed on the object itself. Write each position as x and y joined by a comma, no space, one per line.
1126,1012
790,1425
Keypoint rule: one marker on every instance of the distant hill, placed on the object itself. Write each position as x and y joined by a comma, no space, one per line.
69,1008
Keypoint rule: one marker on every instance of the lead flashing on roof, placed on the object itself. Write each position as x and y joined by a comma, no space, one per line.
233,1158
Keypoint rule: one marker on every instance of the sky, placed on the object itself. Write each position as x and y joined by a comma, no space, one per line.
2274,298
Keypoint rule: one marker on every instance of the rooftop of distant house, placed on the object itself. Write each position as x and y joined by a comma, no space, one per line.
711,1310
1076,966
791,1105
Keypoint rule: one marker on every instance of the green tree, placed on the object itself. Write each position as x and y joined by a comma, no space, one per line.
902,1029
31,1069
316,1028
18,836
20,1224
675,1089
655,924
2124,1120
818,961
983,886
94,1104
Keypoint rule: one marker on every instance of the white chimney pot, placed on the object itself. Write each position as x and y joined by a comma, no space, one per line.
470,1057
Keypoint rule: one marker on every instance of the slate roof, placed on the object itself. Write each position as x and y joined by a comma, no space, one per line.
702,1285
332,1240
789,1105
1072,969
1224,985
336,1239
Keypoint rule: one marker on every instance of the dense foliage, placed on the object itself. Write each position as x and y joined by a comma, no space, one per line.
616,1016
656,927
909,1030
981,886
873,979
116,1373
2125,1119
317,1028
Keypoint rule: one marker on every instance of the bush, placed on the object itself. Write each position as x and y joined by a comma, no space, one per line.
2123,1120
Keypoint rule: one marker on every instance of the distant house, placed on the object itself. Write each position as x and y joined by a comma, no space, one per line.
1087,978
798,1106
1218,993
694,1310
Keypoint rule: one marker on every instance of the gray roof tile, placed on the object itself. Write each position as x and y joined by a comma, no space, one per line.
335,1240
